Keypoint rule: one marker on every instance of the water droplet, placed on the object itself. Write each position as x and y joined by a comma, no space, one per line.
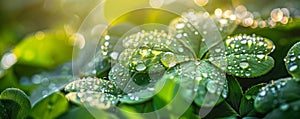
179,26
114,55
180,49
293,59
247,74
168,59
243,41
211,86
244,65
107,37
140,67
204,75
260,56
217,50
293,68
262,93
284,107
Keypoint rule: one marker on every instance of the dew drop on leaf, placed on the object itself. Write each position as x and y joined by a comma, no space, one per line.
293,68
140,67
284,107
244,65
211,86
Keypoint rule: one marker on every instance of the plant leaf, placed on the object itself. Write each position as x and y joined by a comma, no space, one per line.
94,85
77,113
212,85
202,81
277,95
247,102
223,110
193,26
50,107
145,49
292,61
170,96
16,103
137,87
235,93
3,111
246,56
97,93
289,111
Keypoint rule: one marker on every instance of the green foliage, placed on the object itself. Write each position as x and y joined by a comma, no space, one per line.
14,104
279,97
50,107
246,56
292,61
180,68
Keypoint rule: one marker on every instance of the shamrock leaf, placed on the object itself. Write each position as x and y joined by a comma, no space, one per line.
142,63
292,61
235,92
280,99
198,30
247,103
246,56
95,92
50,107
14,104
202,81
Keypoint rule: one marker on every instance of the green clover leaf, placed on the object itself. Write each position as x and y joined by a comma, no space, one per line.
280,99
292,61
246,56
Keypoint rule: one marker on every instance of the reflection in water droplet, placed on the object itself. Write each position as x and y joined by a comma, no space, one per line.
262,93
140,67
168,59
244,65
211,86
260,56
114,55
293,68
180,49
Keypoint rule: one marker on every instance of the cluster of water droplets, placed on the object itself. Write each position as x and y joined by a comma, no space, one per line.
152,47
95,92
206,81
98,100
241,51
136,86
92,84
277,95
292,60
108,46
201,21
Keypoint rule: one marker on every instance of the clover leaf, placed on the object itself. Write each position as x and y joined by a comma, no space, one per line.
195,26
246,56
96,92
14,104
279,99
292,61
